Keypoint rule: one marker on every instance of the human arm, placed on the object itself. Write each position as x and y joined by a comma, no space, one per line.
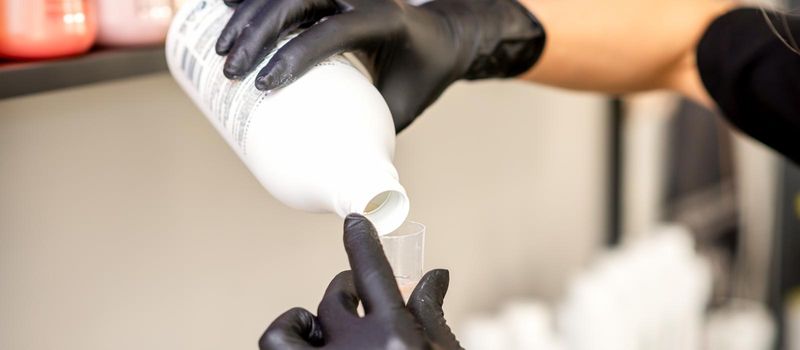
739,61
387,323
623,46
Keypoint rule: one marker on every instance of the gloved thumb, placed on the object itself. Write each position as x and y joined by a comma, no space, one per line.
426,303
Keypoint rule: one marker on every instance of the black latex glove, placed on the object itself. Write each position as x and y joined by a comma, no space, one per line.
387,323
413,53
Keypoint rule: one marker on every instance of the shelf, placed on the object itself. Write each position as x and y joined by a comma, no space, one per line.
19,79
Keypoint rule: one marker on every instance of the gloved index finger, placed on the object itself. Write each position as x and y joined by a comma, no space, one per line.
344,32
373,275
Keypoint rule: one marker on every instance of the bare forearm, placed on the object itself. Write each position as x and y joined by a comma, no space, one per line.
621,46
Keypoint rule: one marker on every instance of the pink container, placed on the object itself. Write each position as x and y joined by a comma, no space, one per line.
133,22
31,29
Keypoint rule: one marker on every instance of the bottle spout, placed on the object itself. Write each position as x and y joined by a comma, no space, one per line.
387,211
382,200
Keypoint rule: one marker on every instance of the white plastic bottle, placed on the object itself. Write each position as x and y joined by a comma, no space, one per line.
133,22
323,143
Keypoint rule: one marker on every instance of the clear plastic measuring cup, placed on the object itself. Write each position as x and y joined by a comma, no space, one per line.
405,250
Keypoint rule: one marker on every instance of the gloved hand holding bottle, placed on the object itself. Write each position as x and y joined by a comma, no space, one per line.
387,322
413,53
615,46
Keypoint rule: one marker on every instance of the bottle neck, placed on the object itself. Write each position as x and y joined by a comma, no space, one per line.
379,197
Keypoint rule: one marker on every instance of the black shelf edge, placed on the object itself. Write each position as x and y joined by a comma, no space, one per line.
18,79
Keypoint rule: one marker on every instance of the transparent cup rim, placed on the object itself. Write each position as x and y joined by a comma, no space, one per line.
408,230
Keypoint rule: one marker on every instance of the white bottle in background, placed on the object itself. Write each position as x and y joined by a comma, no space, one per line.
323,144
133,22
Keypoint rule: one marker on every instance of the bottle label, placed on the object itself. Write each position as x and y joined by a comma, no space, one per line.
195,64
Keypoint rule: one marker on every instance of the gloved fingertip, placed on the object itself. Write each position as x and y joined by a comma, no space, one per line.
440,276
223,46
231,70
345,276
271,78
265,83
437,276
358,231
232,3
433,286
237,63
231,75
355,221
355,216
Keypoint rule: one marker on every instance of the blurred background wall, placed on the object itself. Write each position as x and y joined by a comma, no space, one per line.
127,223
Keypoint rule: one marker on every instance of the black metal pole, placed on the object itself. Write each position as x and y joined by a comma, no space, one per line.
615,171
785,262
